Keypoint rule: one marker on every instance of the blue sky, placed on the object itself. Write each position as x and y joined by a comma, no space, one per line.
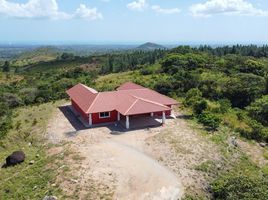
134,21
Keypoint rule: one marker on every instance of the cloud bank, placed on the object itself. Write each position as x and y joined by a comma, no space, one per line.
226,7
141,5
138,5
45,9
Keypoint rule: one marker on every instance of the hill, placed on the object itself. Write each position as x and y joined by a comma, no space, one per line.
150,46
41,54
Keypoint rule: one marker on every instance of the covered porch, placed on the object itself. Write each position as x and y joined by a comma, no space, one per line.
141,120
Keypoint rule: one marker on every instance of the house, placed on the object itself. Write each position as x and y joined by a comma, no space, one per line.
129,100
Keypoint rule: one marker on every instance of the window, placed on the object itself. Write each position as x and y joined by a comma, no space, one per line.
104,114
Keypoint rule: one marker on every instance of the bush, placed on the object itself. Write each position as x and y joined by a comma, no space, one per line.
209,120
200,106
225,105
259,110
12,100
259,132
5,119
192,96
241,184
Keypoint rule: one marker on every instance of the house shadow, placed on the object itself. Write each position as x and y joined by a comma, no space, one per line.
184,116
116,128
72,118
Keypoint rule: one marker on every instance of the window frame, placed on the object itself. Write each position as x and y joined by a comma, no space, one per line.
103,117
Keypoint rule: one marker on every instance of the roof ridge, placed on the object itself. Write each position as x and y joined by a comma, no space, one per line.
131,106
92,90
133,89
93,102
149,101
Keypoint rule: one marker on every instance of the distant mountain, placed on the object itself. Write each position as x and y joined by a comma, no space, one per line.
150,46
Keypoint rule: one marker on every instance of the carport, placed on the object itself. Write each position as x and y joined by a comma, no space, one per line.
142,112
141,121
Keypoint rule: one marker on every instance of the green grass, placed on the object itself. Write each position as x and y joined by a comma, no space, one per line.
26,181
207,166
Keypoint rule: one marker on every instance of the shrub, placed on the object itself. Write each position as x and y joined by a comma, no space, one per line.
192,96
12,100
259,132
225,105
200,106
259,110
241,184
5,119
209,120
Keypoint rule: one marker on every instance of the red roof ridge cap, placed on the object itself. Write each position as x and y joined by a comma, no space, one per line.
92,90
131,106
92,103
134,89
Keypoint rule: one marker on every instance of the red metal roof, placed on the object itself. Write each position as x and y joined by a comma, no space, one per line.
82,95
136,100
130,86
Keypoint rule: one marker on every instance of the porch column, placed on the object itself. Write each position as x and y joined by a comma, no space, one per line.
163,117
90,119
127,122
118,116
152,114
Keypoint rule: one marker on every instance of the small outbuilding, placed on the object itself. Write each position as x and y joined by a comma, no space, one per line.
129,100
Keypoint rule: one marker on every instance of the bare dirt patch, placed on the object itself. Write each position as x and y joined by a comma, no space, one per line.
254,151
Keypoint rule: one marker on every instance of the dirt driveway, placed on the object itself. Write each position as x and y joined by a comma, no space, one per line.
117,160
155,163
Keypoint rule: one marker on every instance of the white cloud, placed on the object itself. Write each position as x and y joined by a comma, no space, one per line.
227,7
160,10
138,5
88,13
47,9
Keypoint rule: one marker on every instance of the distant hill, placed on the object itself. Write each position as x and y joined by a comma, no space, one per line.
150,46
41,54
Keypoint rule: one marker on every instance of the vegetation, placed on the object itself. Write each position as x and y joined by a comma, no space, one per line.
27,181
242,182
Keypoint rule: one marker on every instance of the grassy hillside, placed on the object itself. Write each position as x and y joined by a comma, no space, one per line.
27,181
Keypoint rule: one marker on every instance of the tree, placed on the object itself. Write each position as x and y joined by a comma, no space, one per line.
192,97
200,106
254,67
259,110
242,89
209,120
6,67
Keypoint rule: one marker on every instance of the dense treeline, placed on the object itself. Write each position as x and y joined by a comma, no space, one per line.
240,80
242,50
130,61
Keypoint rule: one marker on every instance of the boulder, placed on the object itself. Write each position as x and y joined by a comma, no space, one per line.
15,158
50,198
262,144
234,142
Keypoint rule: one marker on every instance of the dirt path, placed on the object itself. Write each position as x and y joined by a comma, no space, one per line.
137,175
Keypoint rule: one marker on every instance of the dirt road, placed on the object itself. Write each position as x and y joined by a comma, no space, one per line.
138,175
